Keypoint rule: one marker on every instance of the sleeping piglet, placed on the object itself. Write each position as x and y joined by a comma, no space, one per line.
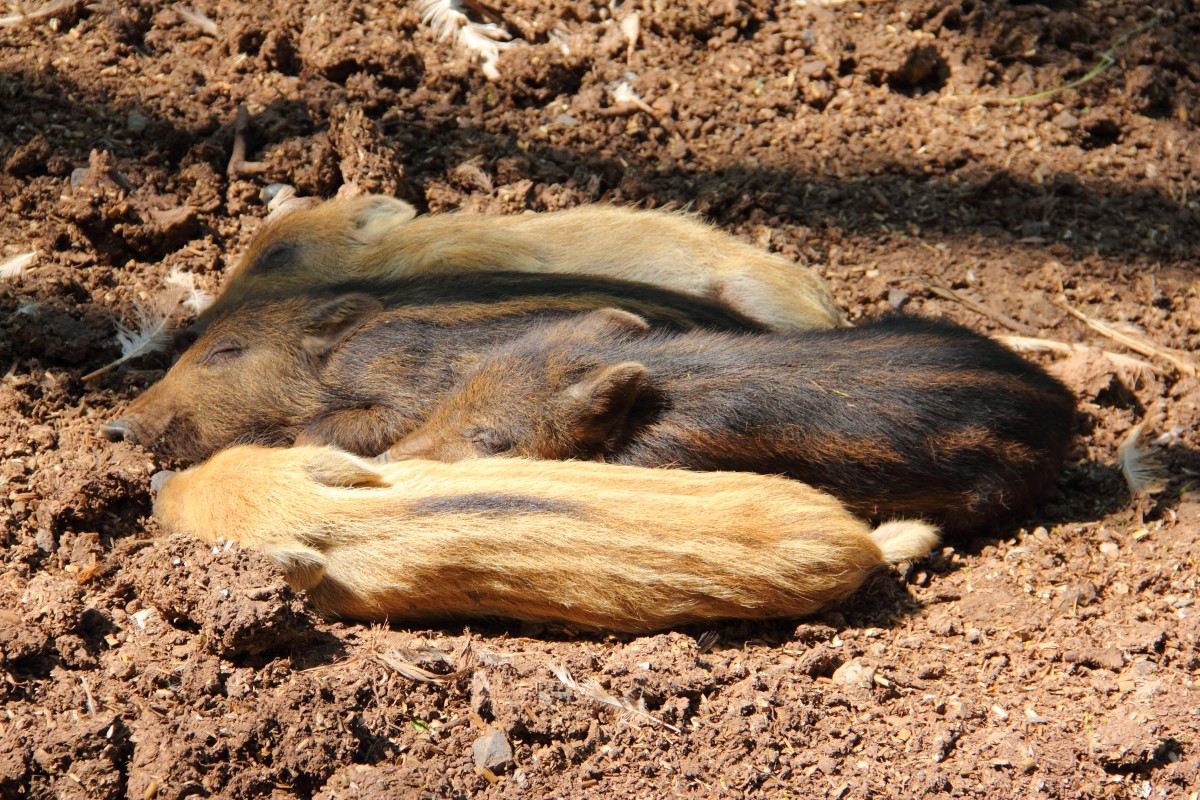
360,364
596,545
899,417
306,243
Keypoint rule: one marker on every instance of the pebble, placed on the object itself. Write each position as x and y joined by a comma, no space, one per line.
136,122
854,673
1066,120
492,751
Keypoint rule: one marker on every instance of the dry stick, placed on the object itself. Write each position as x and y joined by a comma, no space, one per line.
978,308
1184,365
238,165
1030,343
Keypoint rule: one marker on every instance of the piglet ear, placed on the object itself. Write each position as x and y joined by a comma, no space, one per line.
377,215
302,566
612,322
332,467
333,320
598,406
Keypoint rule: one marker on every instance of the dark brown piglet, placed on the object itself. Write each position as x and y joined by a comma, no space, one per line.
359,365
899,417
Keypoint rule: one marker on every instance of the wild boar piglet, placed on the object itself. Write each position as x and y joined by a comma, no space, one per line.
306,243
596,545
359,365
899,417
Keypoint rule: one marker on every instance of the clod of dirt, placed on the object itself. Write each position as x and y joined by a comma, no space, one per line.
857,673
1123,743
660,667
82,758
54,627
905,64
237,599
492,751
1087,373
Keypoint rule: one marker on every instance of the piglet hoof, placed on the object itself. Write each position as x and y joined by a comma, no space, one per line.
117,431
159,479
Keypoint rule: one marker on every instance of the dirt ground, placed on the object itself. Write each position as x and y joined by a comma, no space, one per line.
877,141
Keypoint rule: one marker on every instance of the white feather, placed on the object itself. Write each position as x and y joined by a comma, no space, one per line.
1143,470
44,10
150,332
14,266
195,299
595,692
484,40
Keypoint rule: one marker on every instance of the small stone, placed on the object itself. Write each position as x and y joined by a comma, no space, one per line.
78,176
855,673
1066,120
136,122
1078,595
973,636
1144,638
492,751
1109,658
1109,549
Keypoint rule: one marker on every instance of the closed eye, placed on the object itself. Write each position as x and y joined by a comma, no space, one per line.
223,351
489,441
277,256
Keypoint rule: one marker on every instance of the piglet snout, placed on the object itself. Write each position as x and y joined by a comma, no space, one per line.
116,431
159,479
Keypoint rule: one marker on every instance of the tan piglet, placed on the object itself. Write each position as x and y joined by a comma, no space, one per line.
596,545
306,244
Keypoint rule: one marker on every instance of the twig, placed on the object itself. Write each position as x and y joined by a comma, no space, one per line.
979,308
625,102
87,692
238,165
45,10
1184,365
1026,344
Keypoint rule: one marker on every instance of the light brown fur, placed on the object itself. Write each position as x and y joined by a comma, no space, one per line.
373,236
597,545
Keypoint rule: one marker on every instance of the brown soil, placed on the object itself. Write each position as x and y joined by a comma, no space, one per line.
1060,660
